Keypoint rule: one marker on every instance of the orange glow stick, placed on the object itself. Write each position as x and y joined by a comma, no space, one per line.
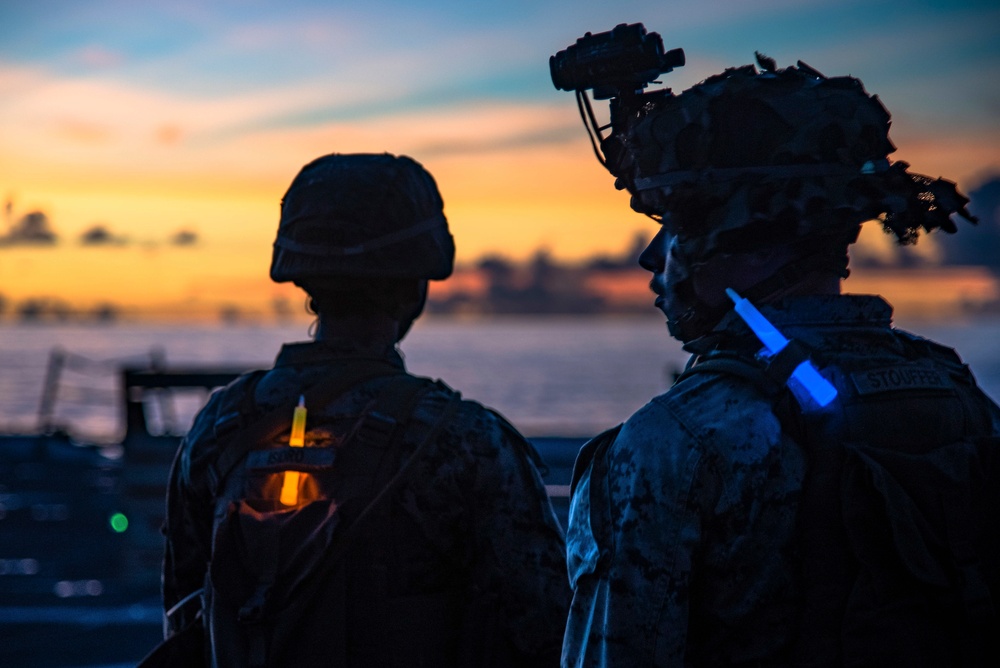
290,486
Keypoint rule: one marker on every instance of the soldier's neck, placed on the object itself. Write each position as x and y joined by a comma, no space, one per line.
370,329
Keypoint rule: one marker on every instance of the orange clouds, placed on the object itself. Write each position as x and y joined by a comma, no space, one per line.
82,132
168,134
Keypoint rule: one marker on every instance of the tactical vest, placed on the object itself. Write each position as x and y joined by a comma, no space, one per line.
307,584
899,521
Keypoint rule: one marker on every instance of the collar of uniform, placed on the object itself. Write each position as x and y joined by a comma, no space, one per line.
812,311
334,350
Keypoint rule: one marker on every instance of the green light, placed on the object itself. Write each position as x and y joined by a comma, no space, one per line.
119,523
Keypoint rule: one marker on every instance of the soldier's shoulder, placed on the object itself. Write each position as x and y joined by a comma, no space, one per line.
932,350
724,393
222,413
712,411
473,426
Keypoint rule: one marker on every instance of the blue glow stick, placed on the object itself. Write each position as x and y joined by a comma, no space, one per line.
805,381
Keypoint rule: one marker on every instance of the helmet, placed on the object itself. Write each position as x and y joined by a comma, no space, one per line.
362,216
748,159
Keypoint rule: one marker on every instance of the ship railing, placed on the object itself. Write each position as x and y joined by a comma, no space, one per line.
55,389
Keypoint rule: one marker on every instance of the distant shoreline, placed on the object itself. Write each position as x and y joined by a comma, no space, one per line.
541,290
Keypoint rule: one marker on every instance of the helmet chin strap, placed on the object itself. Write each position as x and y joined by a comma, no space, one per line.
696,321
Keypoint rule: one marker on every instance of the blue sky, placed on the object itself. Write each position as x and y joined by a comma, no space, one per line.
931,61
150,117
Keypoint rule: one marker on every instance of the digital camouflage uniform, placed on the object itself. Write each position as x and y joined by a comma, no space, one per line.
681,541
446,556
691,538
474,520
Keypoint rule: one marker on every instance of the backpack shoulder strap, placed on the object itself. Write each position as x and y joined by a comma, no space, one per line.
237,442
379,432
385,421
340,546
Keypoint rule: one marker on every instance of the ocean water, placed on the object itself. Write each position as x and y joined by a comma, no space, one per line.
571,376
566,376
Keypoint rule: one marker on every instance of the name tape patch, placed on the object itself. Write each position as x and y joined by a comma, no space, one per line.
291,459
900,377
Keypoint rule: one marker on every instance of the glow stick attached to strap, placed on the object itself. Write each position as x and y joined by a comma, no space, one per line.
290,485
805,381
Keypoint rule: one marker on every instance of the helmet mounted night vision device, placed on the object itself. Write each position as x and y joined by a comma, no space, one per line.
616,65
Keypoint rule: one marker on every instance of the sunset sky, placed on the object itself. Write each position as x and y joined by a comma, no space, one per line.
173,127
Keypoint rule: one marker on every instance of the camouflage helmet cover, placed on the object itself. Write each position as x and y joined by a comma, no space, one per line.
746,159
362,216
